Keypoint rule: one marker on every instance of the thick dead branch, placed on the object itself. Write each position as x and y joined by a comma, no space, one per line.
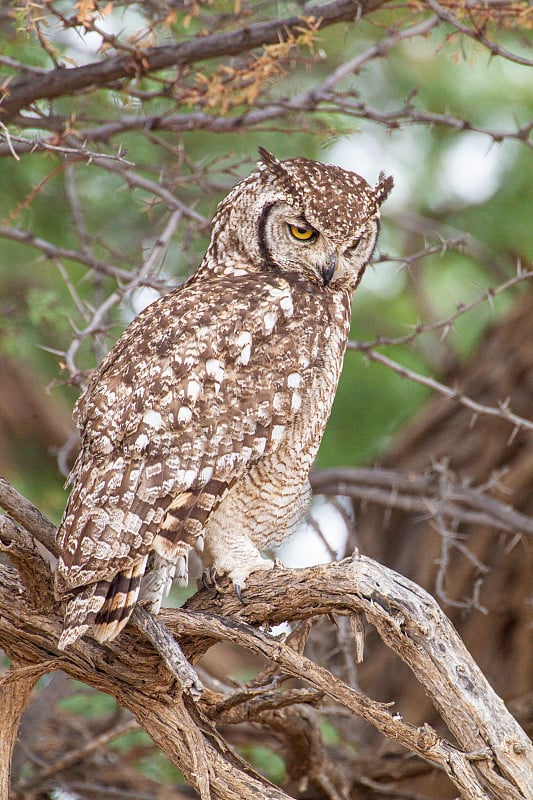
494,755
28,516
139,684
411,623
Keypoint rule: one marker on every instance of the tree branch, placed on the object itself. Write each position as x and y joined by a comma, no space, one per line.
503,411
29,516
417,492
494,753
64,82
13,698
477,34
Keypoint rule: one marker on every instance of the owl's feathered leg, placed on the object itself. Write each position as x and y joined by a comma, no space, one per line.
234,555
158,578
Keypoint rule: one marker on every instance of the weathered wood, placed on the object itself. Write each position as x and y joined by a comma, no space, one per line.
14,697
492,757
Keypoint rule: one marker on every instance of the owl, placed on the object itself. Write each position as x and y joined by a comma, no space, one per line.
200,426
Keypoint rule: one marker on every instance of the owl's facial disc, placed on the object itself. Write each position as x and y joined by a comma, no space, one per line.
305,234
290,242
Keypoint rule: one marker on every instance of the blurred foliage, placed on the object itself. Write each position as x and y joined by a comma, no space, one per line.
268,763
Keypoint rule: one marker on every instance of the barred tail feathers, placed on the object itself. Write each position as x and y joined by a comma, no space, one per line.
103,608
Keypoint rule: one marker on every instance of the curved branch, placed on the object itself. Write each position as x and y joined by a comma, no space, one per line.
495,751
411,623
63,82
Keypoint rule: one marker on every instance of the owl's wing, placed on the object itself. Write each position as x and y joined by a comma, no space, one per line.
201,385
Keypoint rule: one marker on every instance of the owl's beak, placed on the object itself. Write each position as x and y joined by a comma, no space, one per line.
327,272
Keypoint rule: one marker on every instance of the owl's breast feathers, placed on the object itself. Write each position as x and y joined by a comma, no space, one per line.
205,383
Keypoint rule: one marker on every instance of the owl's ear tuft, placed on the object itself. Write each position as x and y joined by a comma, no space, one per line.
275,166
267,158
383,187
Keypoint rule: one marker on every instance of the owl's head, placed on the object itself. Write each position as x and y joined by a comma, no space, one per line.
300,215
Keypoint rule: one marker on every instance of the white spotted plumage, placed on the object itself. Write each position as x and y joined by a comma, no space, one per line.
200,426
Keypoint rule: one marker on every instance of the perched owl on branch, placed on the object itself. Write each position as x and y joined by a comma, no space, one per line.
201,425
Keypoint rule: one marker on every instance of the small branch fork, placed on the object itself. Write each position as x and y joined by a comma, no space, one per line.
493,755
424,493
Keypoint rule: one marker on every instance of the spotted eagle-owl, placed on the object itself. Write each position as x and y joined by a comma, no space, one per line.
200,426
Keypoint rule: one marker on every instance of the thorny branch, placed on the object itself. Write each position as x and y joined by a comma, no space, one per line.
502,411
425,494
477,33
61,82
141,277
314,102
324,97
406,617
53,251
443,325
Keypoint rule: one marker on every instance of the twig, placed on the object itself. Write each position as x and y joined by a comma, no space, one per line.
52,251
446,324
478,35
169,650
503,411
9,141
313,101
415,492
141,277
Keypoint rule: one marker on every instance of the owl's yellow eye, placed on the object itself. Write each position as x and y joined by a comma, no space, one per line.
303,233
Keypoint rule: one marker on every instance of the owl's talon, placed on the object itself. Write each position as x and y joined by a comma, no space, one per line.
237,588
209,580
